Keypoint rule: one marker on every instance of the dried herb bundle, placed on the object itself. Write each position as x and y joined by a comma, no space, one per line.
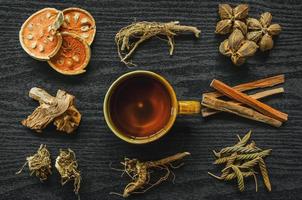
240,162
245,33
60,110
140,173
130,37
39,163
261,31
67,167
232,18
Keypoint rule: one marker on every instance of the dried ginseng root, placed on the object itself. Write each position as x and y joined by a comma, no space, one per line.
39,36
79,22
240,162
39,163
130,37
67,167
73,56
237,47
232,18
261,31
140,173
60,110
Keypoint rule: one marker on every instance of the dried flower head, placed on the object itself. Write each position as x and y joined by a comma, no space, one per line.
237,47
39,163
232,18
261,31
67,167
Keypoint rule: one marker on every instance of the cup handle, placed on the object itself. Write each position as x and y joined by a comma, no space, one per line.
189,107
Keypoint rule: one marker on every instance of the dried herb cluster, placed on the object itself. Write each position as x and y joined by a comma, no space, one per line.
59,109
130,37
247,34
241,161
140,173
60,37
39,163
66,164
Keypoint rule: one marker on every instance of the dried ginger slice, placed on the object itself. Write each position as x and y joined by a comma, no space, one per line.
39,36
73,56
53,109
79,22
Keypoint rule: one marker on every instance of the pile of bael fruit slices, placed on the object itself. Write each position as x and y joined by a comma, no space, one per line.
62,38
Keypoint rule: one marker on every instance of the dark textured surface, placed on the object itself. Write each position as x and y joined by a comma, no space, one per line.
194,64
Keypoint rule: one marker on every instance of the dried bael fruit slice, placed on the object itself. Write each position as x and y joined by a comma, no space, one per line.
39,36
80,22
73,56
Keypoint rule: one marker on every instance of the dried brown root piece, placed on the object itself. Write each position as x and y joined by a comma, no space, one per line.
130,37
237,47
67,167
39,35
39,163
59,109
139,172
262,31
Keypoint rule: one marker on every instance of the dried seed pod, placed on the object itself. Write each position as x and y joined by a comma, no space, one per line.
39,36
261,31
232,18
237,47
67,167
73,56
79,22
39,163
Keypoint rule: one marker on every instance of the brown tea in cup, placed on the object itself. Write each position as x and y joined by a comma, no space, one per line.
140,106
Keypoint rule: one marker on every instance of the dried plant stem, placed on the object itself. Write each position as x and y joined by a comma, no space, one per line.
142,31
245,99
208,111
242,111
261,83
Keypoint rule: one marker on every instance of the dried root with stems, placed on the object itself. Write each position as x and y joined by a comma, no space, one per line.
130,37
140,173
240,162
39,163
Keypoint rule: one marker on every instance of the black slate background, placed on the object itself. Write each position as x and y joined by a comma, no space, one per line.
195,63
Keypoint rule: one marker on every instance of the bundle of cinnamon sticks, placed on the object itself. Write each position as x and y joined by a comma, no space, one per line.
245,105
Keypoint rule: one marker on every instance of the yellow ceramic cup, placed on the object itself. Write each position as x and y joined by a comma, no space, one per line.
177,107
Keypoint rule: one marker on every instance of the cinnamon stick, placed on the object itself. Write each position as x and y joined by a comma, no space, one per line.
208,111
239,110
245,99
262,83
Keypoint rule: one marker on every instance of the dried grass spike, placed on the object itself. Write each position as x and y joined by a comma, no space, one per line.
239,177
265,175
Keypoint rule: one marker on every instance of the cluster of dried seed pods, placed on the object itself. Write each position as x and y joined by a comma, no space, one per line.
240,161
60,37
247,34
